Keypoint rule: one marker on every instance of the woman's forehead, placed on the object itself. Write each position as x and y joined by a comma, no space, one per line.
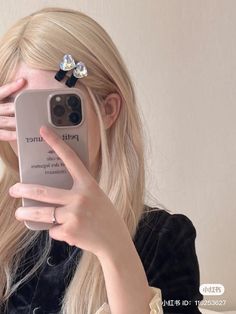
36,78
40,79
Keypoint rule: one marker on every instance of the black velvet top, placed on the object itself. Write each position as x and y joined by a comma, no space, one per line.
166,245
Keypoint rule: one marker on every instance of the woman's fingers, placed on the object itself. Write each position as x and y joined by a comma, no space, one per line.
71,160
41,193
39,214
10,88
7,110
7,128
7,122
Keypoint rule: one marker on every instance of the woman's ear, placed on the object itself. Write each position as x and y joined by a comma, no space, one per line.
110,109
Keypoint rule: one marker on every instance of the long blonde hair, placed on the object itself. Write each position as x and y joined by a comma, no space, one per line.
40,40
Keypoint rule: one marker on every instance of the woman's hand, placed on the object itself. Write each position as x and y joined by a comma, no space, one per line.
7,110
86,217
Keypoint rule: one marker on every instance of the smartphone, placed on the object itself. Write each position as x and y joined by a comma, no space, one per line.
63,110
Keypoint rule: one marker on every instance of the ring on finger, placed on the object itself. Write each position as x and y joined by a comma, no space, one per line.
54,220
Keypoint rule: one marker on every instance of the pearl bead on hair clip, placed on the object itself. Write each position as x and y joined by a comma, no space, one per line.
67,64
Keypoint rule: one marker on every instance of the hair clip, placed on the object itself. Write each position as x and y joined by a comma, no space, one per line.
80,71
67,64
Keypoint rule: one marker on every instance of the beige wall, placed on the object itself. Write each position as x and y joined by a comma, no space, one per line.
181,55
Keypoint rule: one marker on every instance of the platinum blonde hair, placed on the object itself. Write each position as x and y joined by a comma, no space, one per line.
40,40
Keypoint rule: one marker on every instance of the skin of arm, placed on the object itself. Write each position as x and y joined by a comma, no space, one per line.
127,287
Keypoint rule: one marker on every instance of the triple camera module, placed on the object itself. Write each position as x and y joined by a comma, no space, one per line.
65,110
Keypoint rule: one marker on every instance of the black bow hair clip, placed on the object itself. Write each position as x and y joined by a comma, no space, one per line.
67,64
80,71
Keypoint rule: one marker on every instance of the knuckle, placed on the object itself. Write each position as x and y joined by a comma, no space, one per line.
68,152
39,191
4,121
37,213
8,107
81,200
90,184
57,140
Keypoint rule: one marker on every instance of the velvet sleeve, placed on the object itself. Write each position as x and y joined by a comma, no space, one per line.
166,245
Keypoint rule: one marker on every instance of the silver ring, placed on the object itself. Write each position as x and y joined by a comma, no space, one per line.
54,220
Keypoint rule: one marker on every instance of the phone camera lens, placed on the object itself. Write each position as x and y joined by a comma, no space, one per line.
75,117
58,110
74,102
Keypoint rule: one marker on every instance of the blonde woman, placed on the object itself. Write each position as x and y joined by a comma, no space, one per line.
110,253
